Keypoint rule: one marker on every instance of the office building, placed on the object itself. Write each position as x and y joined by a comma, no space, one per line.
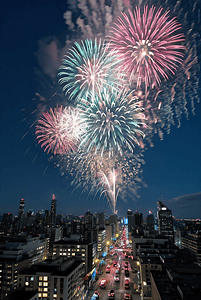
165,223
54,279
192,242
130,221
21,209
16,254
101,242
53,209
81,249
150,222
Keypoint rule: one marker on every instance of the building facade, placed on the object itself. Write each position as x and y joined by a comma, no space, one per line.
54,279
80,249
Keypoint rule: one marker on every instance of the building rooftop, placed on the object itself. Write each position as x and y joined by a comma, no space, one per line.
72,242
164,286
60,267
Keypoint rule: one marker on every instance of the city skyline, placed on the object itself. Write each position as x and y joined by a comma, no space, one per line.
172,167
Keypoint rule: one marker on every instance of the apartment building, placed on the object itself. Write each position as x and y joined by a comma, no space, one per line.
54,279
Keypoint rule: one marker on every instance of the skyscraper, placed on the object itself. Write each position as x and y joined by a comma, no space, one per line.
137,219
165,225
150,222
130,220
53,209
21,209
21,213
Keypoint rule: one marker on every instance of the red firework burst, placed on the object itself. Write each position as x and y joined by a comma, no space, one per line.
54,131
149,44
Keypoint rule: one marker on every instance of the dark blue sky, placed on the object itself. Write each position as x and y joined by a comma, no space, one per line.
172,166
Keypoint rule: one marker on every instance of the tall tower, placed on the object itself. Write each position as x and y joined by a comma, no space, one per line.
150,222
137,219
53,209
130,220
100,220
21,209
165,224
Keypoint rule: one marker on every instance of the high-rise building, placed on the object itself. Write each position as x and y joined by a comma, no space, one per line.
21,209
54,279
150,222
6,224
100,220
137,219
73,248
192,242
165,224
53,209
88,221
130,220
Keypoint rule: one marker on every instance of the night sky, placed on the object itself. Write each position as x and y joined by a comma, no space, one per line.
172,169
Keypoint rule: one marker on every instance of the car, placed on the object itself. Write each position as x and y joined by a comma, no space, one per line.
108,269
127,296
117,271
103,283
114,263
111,295
127,283
116,278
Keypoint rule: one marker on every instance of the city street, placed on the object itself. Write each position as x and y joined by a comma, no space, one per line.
118,287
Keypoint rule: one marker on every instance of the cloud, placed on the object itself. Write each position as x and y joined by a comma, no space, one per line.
186,206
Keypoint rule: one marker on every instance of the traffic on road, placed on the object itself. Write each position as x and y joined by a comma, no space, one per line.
118,280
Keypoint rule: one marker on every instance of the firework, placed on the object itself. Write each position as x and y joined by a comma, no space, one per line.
87,67
58,130
149,44
108,184
114,122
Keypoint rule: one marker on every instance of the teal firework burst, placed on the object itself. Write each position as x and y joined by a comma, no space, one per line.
87,67
114,121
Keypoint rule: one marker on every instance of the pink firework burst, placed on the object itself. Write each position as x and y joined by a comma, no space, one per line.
55,130
149,43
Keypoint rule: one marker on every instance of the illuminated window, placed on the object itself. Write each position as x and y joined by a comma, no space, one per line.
40,283
45,295
64,253
40,289
40,278
45,289
39,295
26,283
83,254
73,254
32,279
55,296
45,283
45,278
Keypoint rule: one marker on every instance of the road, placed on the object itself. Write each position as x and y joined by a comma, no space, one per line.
118,287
